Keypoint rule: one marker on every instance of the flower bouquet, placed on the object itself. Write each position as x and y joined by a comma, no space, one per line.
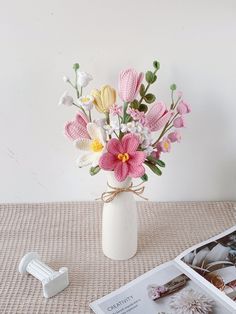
128,139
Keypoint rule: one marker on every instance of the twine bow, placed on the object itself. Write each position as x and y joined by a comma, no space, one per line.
109,196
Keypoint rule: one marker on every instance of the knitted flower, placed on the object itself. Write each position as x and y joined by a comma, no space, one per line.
129,84
158,116
174,136
83,78
115,110
137,115
93,146
77,129
112,127
164,146
86,102
104,98
183,108
179,122
66,100
122,157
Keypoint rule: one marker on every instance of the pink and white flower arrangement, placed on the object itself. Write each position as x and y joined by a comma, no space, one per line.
133,133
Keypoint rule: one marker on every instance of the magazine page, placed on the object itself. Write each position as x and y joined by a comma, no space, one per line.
163,290
212,263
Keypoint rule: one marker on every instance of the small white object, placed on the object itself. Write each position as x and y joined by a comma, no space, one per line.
83,78
53,281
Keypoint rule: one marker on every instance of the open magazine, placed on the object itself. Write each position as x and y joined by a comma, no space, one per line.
201,279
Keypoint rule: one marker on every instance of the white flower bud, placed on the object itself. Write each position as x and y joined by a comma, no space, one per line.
66,100
83,78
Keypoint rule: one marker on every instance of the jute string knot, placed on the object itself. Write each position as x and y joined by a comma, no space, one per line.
109,196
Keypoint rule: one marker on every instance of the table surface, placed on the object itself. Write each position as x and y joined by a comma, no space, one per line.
69,234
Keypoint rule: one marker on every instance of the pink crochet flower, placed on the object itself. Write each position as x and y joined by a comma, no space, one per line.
115,110
179,122
183,108
164,146
158,116
122,157
77,129
174,136
137,115
129,84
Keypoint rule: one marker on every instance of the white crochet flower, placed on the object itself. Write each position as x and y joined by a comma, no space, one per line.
86,102
66,100
129,127
141,131
92,148
112,127
83,78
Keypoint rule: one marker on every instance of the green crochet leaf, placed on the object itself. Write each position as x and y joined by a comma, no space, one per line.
154,168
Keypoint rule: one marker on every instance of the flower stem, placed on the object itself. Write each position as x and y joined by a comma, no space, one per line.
166,129
119,118
81,108
107,117
176,102
116,134
124,111
77,106
173,118
162,133
172,100
71,83
76,85
90,116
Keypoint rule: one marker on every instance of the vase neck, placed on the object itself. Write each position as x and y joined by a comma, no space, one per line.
112,181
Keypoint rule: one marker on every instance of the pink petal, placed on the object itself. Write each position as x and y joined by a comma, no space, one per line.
183,108
114,146
162,121
107,161
137,158
75,131
82,119
179,122
128,82
174,136
154,114
121,171
136,172
130,143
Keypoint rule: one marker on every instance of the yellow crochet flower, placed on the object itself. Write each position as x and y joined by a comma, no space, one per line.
104,98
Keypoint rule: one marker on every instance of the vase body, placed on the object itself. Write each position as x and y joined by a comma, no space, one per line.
119,222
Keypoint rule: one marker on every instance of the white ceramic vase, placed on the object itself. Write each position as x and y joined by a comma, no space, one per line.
119,222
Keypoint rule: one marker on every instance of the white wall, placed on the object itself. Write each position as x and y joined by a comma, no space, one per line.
195,42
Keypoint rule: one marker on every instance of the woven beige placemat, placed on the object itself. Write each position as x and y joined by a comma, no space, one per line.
69,234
